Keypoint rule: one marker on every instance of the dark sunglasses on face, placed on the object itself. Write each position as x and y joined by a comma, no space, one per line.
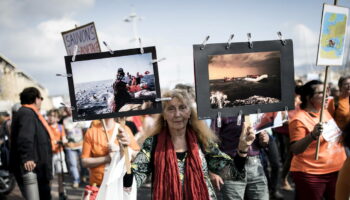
41,98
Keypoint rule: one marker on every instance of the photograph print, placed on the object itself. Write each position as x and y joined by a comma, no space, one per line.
332,35
105,85
244,79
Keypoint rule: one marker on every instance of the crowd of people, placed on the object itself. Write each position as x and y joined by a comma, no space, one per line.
187,158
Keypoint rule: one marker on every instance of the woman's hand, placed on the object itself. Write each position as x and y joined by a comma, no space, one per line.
246,139
318,129
123,137
264,138
216,180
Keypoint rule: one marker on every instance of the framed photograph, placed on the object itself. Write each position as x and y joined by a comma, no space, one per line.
105,85
85,37
332,35
242,79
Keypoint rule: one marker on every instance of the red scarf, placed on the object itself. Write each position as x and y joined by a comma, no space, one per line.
43,121
166,183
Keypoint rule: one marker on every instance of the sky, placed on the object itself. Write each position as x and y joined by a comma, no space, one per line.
241,65
107,68
30,33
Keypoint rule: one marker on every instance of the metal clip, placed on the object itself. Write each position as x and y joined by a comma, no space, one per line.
64,105
157,61
219,120
250,43
109,49
64,75
239,118
75,52
286,113
204,42
283,41
163,99
258,116
229,41
141,47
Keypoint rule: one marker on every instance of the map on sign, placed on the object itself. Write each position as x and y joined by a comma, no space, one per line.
332,37
333,33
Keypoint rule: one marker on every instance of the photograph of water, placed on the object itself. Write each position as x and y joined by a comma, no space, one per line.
112,85
244,79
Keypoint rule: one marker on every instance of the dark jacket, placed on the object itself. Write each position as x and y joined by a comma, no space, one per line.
30,141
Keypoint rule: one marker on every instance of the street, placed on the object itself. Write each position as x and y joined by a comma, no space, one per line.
144,193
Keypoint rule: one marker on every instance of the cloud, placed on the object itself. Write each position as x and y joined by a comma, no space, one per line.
15,14
305,45
30,36
38,51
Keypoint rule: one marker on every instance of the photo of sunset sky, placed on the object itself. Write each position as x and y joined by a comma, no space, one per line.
244,79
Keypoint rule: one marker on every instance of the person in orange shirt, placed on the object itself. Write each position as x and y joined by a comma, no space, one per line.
343,182
342,111
96,151
314,179
58,158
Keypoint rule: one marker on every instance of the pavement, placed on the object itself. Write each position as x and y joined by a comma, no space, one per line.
143,193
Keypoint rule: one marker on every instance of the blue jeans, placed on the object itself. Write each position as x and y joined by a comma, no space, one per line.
253,187
74,158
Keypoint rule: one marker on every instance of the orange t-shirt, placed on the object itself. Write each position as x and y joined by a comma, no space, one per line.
96,145
331,154
342,113
343,184
58,133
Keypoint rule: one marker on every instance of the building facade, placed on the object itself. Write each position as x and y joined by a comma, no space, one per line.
13,81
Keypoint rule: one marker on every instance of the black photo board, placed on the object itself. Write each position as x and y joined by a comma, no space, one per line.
245,79
106,85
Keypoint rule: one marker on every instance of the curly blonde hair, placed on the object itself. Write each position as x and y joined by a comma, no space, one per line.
204,133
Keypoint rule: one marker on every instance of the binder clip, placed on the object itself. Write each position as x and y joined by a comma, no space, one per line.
280,36
239,118
204,42
258,116
66,106
157,61
109,49
250,43
286,113
219,120
75,52
141,47
229,41
65,75
163,99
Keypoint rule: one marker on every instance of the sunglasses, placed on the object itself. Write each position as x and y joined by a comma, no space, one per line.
41,98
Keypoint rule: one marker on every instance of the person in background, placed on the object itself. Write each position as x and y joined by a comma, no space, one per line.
254,185
74,135
314,179
271,157
31,139
96,151
5,122
121,94
58,157
343,183
342,104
